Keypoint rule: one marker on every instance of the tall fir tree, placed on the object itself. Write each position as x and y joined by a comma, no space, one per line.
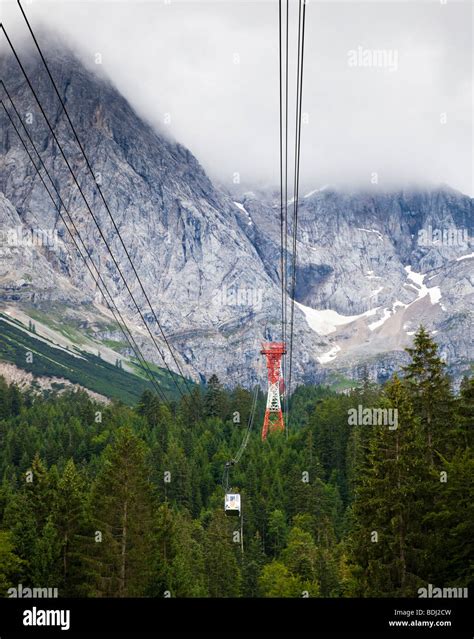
222,569
387,539
70,519
122,512
430,393
215,399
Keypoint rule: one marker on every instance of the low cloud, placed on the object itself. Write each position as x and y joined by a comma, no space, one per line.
387,86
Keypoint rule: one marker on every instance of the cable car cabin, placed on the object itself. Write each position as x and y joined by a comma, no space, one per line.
232,504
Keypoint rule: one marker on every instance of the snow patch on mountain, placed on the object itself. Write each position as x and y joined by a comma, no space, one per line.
417,278
244,210
386,314
465,257
330,355
378,233
326,321
370,276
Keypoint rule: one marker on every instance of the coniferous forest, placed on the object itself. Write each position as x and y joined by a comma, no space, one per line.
116,501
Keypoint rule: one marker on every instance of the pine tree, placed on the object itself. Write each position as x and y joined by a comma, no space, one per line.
389,504
89,521
277,531
252,564
178,481
241,402
122,502
4,399
187,573
465,412
430,393
69,517
10,564
222,570
331,434
39,491
28,516
45,569
449,525
162,551
15,400
215,399
301,558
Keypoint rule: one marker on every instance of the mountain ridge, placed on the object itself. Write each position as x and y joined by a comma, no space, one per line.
199,247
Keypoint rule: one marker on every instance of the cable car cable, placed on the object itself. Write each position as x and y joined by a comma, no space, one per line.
136,350
102,196
283,177
172,375
235,460
299,100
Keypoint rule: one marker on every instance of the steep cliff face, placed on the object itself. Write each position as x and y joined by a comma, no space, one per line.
385,261
209,262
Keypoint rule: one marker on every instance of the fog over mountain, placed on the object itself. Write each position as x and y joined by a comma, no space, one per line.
387,85
370,265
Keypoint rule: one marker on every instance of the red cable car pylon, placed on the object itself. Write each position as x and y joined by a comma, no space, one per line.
273,421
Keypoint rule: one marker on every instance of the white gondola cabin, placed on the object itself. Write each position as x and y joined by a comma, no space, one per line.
232,504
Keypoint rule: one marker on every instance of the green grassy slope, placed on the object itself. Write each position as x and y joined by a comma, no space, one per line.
88,370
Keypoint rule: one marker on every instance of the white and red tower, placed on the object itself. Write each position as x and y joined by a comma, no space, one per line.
273,414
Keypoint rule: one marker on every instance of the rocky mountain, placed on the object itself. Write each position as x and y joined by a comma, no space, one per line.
371,265
374,265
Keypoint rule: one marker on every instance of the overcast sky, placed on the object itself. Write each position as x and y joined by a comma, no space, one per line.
212,69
